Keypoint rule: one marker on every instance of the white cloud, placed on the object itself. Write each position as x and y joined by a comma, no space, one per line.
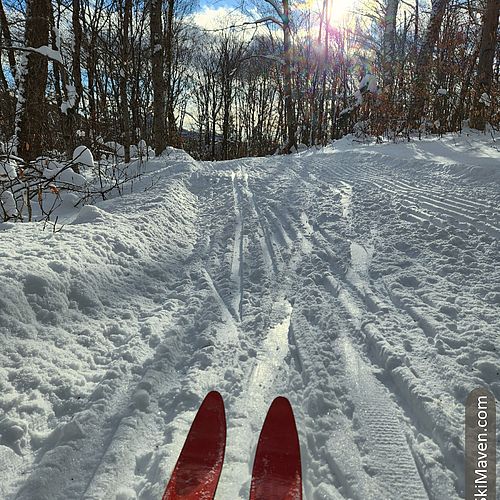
212,18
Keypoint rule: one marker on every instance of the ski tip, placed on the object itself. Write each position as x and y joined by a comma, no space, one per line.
196,473
213,401
277,471
281,401
215,396
281,409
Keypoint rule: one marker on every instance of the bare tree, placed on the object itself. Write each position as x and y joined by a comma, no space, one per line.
389,43
157,61
283,12
4,24
169,61
424,59
31,105
126,17
230,55
77,44
485,65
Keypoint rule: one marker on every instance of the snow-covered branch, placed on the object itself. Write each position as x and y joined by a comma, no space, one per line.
52,54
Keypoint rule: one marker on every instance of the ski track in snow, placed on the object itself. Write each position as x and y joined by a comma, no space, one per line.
353,284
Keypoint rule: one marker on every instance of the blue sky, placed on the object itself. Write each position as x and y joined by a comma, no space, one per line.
217,3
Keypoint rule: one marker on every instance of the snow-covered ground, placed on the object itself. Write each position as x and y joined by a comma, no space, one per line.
361,282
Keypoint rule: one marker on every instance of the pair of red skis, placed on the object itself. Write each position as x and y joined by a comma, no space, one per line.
276,474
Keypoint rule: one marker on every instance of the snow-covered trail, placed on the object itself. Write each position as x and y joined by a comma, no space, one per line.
363,288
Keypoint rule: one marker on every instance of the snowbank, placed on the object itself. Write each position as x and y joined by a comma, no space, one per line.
474,154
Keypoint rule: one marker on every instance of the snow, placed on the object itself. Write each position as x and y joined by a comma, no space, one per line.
476,155
83,156
8,170
359,281
90,213
55,55
71,99
368,84
117,148
142,147
485,99
64,174
8,204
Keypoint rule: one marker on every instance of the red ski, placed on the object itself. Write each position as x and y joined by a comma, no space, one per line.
197,471
277,473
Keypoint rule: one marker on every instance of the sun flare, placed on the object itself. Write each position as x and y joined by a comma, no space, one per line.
336,12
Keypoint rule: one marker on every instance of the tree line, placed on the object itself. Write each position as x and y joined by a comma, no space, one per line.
93,71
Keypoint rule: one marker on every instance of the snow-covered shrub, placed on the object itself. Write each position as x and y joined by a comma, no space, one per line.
116,148
361,130
69,177
368,84
8,205
485,99
83,156
8,177
49,185
142,147
8,170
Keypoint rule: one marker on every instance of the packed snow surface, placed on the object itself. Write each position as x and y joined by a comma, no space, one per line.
361,282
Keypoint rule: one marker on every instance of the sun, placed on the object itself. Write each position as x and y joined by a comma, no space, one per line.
340,10
336,12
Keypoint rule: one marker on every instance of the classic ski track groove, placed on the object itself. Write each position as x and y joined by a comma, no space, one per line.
438,427
267,247
394,311
458,211
387,424
237,265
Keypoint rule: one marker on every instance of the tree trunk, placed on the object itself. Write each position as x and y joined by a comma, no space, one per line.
424,60
321,110
31,106
485,65
92,94
124,74
8,39
4,86
169,39
55,65
60,78
77,71
291,123
389,44
227,99
159,136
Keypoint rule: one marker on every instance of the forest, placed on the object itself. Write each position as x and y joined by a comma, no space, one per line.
274,76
